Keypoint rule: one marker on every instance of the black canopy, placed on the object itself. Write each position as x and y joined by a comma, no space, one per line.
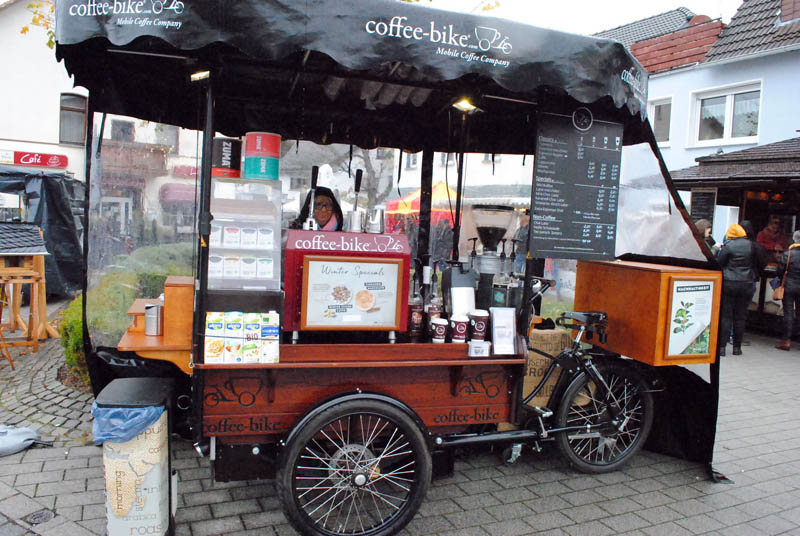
368,72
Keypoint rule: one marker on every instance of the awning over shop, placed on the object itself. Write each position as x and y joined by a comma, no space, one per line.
175,192
371,73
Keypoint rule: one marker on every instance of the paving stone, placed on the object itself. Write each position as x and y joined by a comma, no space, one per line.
625,522
584,513
263,519
39,477
215,527
548,520
513,527
18,506
591,528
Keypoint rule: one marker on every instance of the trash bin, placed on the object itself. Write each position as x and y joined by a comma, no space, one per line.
132,421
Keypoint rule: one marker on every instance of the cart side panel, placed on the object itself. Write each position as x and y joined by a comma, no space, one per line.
252,405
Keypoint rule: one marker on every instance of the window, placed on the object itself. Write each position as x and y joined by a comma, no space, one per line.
72,128
728,115
411,160
167,135
122,130
661,113
447,159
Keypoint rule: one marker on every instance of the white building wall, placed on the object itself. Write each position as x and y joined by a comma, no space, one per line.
779,115
32,83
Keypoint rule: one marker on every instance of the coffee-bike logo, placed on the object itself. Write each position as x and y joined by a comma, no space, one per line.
474,46
131,12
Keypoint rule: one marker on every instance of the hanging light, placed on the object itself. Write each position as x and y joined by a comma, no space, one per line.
465,105
199,75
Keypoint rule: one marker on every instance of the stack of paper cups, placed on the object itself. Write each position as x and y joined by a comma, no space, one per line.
262,151
226,157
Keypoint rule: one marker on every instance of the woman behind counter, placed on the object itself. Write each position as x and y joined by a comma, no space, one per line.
327,212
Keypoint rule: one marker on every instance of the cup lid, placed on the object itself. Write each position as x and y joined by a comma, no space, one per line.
439,321
459,318
479,312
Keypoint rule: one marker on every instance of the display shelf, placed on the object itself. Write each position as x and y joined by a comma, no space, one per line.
365,364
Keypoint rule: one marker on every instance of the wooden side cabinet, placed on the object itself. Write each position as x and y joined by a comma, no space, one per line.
657,314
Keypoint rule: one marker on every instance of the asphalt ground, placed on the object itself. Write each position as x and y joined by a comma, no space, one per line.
59,490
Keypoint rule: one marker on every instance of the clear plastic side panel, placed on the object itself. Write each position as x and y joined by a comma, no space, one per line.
142,217
648,222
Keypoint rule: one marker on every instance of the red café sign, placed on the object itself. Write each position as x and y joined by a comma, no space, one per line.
22,158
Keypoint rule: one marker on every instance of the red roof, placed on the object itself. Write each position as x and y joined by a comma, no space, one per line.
676,49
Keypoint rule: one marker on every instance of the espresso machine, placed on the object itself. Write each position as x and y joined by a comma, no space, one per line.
492,222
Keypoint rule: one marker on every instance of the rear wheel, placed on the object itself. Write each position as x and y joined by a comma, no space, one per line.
609,446
357,468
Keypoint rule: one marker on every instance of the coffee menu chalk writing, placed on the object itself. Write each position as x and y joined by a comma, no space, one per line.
351,293
576,187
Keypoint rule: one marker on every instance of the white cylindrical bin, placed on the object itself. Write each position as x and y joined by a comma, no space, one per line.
132,421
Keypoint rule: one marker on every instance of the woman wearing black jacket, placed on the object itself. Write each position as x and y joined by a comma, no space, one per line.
790,265
741,265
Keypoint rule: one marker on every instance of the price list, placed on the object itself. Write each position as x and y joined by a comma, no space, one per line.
575,192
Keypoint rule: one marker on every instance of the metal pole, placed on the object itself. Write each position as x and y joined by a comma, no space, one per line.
459,186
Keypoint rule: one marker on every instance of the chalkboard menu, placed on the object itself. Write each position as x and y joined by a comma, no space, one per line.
703,202
576,187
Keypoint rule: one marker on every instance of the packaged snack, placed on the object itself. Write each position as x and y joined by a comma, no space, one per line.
233,350
266,238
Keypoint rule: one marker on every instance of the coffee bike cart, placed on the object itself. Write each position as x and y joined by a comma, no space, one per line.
351,419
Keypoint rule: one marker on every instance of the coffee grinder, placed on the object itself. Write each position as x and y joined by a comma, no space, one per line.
492,222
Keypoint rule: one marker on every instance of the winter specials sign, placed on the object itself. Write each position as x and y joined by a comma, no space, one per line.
690,317
483,44
350,293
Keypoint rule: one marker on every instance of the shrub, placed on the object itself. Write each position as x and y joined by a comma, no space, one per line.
71,330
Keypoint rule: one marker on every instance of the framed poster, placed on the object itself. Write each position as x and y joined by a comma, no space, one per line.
693,317
351,293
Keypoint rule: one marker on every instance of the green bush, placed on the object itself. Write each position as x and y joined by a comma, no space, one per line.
71,330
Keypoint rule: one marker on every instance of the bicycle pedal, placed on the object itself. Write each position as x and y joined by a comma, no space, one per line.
541,412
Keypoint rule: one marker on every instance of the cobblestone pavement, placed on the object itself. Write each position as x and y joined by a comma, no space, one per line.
758,447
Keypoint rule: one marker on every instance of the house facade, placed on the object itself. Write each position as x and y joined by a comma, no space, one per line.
43,115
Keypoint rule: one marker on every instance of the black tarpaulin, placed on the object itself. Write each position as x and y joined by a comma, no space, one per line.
48,196
373,73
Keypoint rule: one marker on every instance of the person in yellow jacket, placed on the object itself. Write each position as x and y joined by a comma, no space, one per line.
741,264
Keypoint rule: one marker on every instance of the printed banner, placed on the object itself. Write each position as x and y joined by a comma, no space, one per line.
690,317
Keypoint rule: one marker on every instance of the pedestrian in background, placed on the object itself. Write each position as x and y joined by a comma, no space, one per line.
789,268
740,265
704,226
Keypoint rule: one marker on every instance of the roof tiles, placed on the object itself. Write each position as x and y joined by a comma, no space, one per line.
755,28
665,23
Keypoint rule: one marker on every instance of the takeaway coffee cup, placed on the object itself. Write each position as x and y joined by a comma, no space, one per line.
438,329
478,324
458,325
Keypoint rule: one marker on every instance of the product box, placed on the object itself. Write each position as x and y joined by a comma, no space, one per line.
215,238
270,351
232,268
216,265
214,338
234,336
264,269
251,351
249,237
270,326
232,237
252,326
551,341
248,268
266,238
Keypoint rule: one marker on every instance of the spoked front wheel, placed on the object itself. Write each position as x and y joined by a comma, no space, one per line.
357,468
610,443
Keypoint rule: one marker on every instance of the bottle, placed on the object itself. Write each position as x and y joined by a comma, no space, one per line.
433,305
415,312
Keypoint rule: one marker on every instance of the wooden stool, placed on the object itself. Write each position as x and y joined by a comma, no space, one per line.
20,276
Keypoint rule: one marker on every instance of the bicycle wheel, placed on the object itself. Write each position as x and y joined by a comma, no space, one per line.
607,448
357,468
